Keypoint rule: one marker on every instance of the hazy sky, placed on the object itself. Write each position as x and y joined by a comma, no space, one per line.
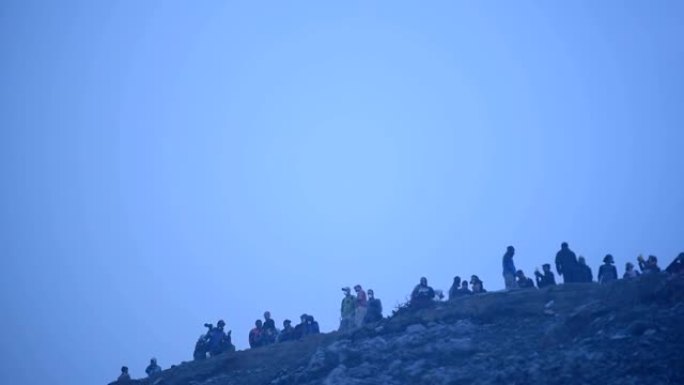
166,164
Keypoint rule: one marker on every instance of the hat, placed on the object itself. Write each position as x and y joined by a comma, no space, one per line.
346,289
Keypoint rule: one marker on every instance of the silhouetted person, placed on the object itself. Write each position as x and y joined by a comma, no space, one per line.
361,306
677,266
523,281
584,273
347,310
630,271
453,291
650,266
374,313
476,285
566,263
200,352
217,340
422,294
124,376
268,331
546,278
607,272
288,332
312,326
153,369
464,289
509,268
255,335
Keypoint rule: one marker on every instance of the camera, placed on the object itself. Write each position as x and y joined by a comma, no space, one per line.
209,326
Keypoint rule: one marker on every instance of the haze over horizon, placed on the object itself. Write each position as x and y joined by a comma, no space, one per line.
167,164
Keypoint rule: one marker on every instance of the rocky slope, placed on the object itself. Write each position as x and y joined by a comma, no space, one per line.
628,332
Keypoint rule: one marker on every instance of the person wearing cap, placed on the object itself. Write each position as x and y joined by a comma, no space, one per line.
523,281
607,272
546,278
374,313
630,271
153,369
288,332
584,273
422,295
124,377
509,268
476,285
347,310
361,306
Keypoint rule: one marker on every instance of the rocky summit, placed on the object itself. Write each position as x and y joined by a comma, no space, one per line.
626,332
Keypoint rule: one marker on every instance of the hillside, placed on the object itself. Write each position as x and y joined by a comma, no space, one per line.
627,332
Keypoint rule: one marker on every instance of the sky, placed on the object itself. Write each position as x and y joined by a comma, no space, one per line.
164,164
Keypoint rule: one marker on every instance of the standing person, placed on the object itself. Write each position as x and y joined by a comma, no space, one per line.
630,271
255,335
607,272
347,310
153,369
374,313
566,263
268,331
547,278
422,295
453,291
509,268
584,273
361,306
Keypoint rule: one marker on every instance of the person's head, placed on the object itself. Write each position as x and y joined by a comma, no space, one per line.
629,266
464,284
267,315
124,370
564,246
153,361
423,281
474,279
510,250
608,259
258,324
357,288
309,318
371,294
520,274
546,267
287,323
346,291
652,259
457,280
303,317
221,324
581,260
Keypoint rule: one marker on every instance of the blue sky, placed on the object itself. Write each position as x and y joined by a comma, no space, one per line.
166,164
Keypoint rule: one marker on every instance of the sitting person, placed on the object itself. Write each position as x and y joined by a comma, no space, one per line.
477,285
218,341
200,352
649,266
288,332
374,313
453,291
545,279
422,295
607,271
464,289
311,325
255,335
124,376
302,327
630,271
523,281
677,266
153,369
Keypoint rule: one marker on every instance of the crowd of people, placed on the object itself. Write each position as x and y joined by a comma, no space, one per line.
363,308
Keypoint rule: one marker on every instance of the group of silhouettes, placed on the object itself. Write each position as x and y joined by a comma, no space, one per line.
363,308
